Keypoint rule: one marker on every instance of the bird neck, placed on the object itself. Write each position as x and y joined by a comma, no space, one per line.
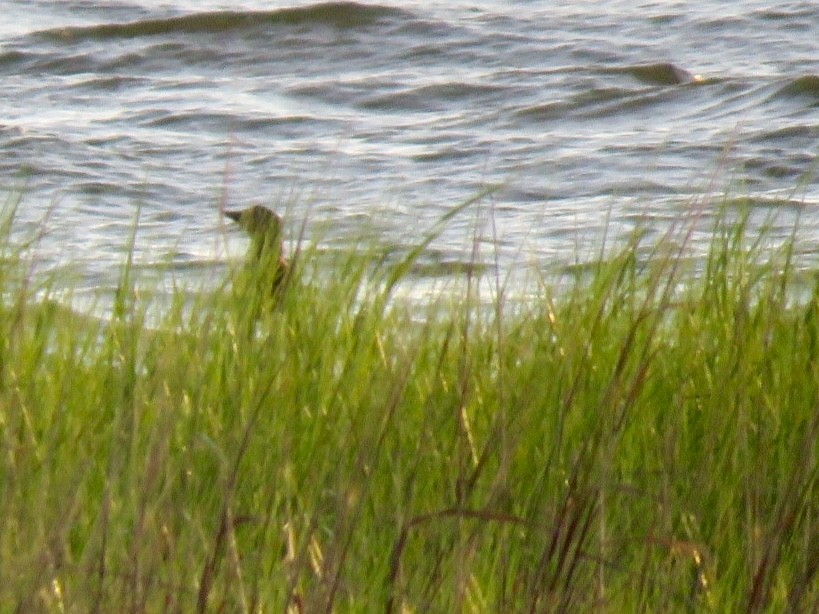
267,247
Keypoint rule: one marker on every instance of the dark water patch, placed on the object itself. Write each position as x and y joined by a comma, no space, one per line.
443,268
424,52
542,112
806,86
666,19
604,95
793,15
262,123
662,73
110,83
13,60
645,219
428,96
595,103
222,122
167,215
725,100
331,14
522,196
97,187
445,154
181,261
720,25
433,263
791,132
132,61
763,202
150,59
314,90
331,91
644,186
189,119
779,164
28,140
63,64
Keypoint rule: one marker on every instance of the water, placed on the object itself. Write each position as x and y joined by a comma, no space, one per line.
372,120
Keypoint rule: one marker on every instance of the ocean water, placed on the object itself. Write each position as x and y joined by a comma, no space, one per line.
367,122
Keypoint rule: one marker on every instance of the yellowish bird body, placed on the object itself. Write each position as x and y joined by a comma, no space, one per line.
266,257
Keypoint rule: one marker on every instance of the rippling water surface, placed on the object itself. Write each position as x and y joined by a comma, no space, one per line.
371,120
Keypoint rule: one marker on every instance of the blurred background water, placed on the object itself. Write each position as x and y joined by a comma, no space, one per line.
371,120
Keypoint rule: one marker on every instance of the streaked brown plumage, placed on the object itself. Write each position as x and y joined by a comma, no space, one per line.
267,250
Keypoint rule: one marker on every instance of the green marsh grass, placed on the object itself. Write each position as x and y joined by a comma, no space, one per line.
645,438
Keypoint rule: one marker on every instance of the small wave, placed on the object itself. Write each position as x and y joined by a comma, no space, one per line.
807,85
594,102
110,83
197,119
432,270
763,202
335,14
791,132
793,15
12,58
96,188
165,119
422,97
663,73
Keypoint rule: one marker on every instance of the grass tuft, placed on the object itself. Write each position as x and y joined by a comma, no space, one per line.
642,438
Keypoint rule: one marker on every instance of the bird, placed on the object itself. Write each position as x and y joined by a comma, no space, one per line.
266,261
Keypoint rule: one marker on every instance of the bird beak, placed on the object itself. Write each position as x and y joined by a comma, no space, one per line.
234,215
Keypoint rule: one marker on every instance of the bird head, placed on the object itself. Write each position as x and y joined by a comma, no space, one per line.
259,222
265,230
